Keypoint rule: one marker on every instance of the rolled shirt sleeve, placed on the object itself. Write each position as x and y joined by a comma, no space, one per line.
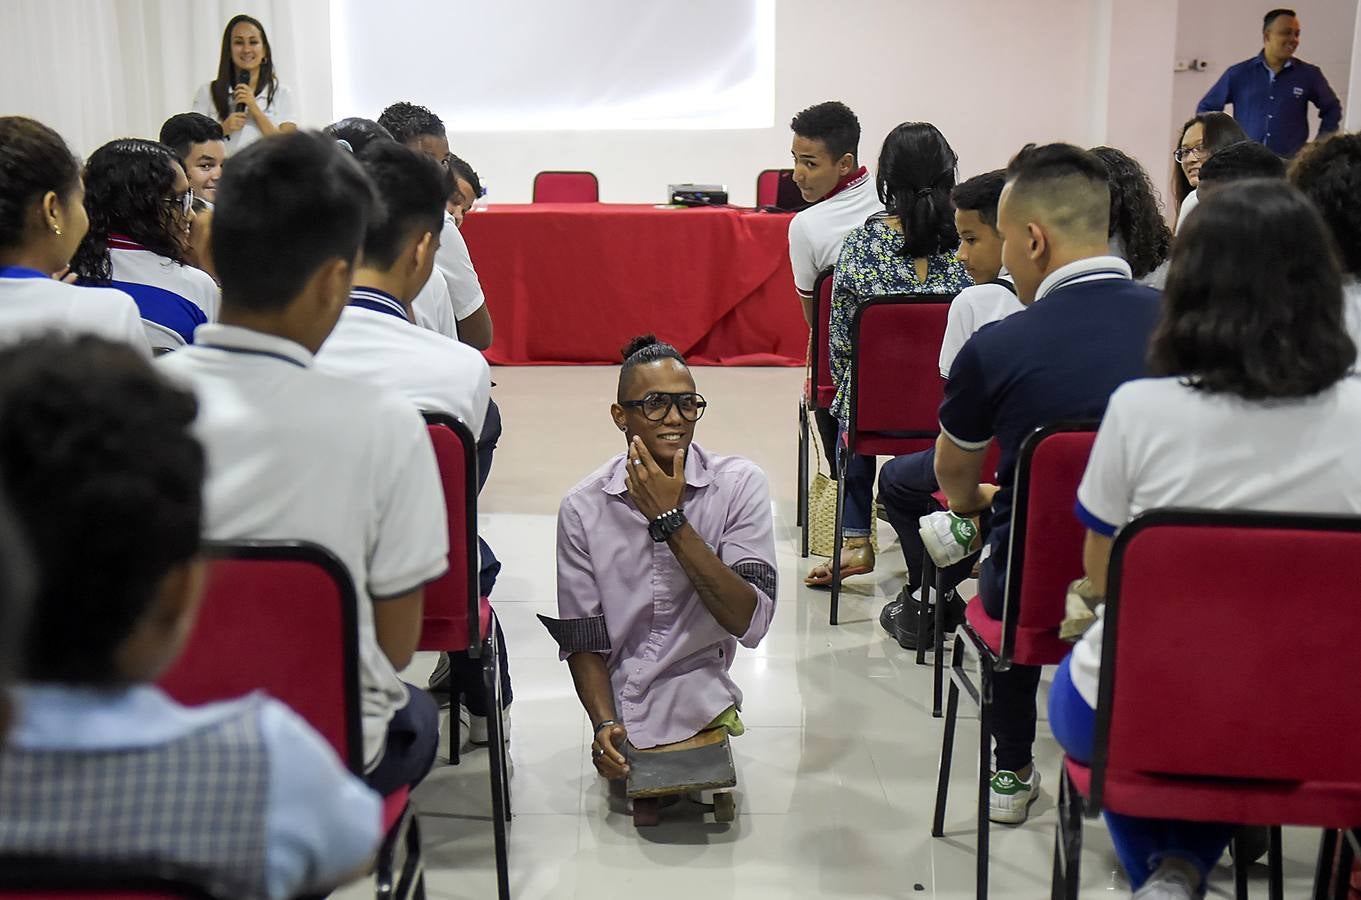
801,258
966,414
578,593
748,548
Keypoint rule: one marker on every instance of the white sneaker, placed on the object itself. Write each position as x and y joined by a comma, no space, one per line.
1010,797
948,538
1172,881
478,733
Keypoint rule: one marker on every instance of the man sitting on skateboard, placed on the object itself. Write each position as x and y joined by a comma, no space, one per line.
666,561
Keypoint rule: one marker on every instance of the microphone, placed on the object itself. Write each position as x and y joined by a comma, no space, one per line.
242,78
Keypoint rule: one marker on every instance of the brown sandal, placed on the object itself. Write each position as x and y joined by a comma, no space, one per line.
857,558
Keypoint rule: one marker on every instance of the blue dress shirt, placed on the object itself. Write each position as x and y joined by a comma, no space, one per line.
1273,107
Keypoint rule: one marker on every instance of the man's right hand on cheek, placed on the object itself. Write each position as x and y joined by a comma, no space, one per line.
607,754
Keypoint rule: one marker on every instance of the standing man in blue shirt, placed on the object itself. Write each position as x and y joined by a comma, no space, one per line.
1272,91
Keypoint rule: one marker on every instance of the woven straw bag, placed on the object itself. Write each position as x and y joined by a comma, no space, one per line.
822,508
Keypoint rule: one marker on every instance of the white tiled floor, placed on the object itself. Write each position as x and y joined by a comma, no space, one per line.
837,770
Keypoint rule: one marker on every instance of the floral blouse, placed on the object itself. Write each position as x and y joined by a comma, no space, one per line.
870,265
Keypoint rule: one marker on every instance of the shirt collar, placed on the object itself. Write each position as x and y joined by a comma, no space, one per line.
697,474
378,301
234,339
136,715
855,179
1261,58
1093,268
21,272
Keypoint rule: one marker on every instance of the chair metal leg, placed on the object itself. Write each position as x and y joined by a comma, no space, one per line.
922,633
455,723
496,755
984,780
801,502
1067,842
1346,854
1275,875
842,460
1240,870
947,747
938,664
1323,869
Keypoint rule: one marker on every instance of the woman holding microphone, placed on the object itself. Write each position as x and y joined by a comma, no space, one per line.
246,96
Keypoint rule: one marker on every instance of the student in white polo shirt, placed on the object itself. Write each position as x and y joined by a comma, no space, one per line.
140,207
1328,172
828,173
42,221
295,453
420,129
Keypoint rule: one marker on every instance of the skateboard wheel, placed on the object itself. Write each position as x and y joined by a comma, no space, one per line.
725,809
647,811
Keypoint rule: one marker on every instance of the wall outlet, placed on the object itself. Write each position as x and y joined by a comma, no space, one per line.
1191,65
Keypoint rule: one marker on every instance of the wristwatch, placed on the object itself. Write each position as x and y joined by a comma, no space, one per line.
665,525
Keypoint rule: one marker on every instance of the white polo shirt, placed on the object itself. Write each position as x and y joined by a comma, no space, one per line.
282,109
1351,311
1188,203
1162,443
971,309
32,303
142,266
452,259
433,308
374,342
298,454
816,233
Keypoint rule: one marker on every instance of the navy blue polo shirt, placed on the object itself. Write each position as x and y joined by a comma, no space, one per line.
1058,360
1273,107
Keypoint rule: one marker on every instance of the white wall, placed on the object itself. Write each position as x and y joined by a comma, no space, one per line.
1352,116
1227,31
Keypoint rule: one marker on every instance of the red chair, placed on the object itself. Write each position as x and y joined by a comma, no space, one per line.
1045,556
566,187
1265,738
259,597
457,619
768,187
818,392
895,389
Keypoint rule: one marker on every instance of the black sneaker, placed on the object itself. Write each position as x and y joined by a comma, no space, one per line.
905,627
441,681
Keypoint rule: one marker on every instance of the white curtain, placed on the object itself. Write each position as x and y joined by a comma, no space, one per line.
96,70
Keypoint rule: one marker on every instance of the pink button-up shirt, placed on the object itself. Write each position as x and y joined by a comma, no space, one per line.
668,658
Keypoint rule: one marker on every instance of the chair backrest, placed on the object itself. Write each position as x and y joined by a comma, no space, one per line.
566,187
450,620
1198,603
820,371
895,383
768,187
1045,554
279,617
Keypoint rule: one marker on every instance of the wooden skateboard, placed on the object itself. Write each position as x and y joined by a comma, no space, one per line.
661,776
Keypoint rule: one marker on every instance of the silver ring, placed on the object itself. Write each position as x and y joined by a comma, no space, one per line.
637,462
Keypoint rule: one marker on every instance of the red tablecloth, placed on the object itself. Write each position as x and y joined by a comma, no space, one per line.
572,283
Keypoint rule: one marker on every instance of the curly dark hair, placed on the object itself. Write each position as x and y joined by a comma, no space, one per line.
127,184
98,461
917,170
459,168
225,82
644,349
1136,212
833,123
1253,304
1329,173
406,122
357,132
33,160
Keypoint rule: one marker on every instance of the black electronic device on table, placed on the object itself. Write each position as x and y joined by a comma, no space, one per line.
697,195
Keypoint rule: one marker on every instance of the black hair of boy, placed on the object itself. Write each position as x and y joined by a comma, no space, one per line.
460,169
357,132
1329,173
406,122
414,189
834,124
1069,183
285,207
106,479
980,194
182,131
1236,162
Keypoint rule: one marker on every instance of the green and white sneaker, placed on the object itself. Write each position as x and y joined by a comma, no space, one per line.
1011,797
948,538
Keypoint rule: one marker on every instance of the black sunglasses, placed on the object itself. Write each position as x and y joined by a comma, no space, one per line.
657,404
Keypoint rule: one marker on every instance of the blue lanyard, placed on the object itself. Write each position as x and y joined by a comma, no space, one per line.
378,301
21,272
